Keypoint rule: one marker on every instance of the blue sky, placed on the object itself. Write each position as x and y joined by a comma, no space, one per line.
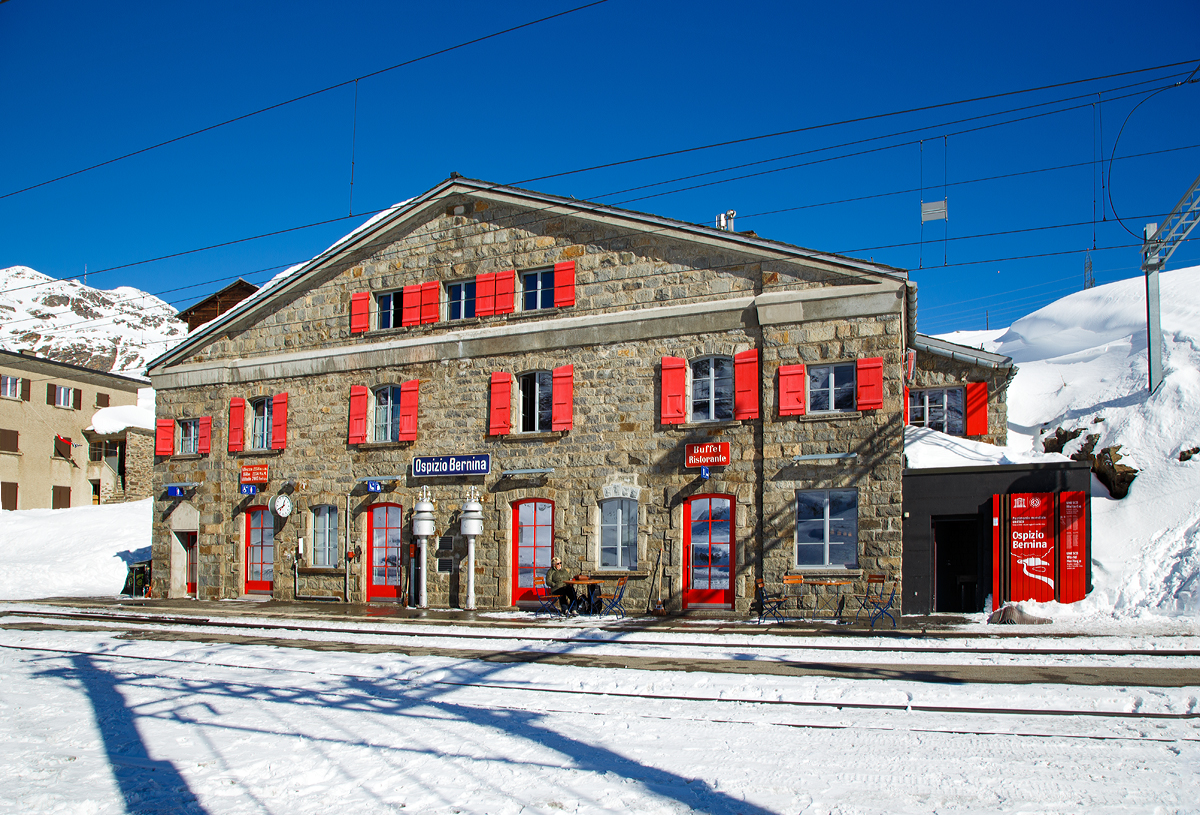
83,83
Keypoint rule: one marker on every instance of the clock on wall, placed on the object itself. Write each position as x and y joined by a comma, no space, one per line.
282,506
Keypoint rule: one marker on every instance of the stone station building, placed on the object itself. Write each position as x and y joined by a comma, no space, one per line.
685,407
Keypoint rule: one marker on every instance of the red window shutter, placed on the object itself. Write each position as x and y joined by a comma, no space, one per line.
358,415
745,384
499,419
205,438
431,293
360,312
564,284
279,421
976,409
237,424
77,399
870,383
485,295
674,390
793,382
412,306
563,398
164,437
506,287
409,393
906,404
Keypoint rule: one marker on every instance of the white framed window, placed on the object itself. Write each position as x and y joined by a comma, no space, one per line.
10,387
63,396
189,437
537,401
537,290
390,307
460,300
387,413
831,388
325,536
260,423
618,533
939,409
827,528
712,389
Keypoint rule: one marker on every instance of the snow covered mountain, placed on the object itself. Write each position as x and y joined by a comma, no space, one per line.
119,330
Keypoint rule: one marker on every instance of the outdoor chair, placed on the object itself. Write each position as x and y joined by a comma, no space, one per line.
614,602
873,601
768,606
547,602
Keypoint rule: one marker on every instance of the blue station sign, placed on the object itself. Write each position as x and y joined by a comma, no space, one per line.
374,486
249,489
479,464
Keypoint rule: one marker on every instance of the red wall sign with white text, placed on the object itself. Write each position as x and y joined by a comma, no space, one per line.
1031,547
1072,547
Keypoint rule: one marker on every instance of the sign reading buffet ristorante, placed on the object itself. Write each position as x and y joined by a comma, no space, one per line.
479,464
706,455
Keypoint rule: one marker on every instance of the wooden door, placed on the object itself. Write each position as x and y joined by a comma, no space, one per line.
709,551
533,540
385,555
260,551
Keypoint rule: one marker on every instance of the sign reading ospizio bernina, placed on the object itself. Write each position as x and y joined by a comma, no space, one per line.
705,455
478,464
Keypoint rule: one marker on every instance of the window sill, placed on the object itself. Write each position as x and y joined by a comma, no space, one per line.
548,435
332,571
706,425
825,571
537,312
256,453
636,574
830,416
382,445
185,456
10,452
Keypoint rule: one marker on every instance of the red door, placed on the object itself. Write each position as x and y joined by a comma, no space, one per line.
533,539
708,551
188,539
260,551
385,578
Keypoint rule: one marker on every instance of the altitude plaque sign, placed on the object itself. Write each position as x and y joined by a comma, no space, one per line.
1031,547
254,474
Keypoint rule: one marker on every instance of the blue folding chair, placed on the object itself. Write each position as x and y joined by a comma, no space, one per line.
547,602
615,603
881,608
768,606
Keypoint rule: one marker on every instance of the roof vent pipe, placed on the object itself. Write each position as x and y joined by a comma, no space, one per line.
725,220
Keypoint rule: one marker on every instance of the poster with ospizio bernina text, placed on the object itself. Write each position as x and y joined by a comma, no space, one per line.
1031,547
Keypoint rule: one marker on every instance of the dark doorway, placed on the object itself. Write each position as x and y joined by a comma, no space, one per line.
959,564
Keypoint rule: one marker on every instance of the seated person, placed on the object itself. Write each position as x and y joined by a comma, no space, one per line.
556,582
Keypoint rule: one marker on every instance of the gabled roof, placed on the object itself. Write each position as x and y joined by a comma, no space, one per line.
962,353
66,370
219,302
294,278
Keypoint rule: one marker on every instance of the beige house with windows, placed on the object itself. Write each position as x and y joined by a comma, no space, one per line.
46,457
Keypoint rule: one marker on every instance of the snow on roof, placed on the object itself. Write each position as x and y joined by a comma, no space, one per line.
120,418
926,448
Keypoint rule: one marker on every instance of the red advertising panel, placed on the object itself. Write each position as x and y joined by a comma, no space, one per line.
706,455
997,597
1072,547
1031,547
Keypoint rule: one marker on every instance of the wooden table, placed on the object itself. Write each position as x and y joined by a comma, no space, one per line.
593,588
832,604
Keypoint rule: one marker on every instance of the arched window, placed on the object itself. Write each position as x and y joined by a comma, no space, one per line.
618,533
325,536
712,389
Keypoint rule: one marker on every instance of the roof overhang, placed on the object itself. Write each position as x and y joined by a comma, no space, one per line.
960,353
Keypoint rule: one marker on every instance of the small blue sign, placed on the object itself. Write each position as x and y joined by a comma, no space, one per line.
374,486
249,489
175,492
704,473
477,464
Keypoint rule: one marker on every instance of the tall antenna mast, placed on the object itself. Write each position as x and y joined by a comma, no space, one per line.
1158,246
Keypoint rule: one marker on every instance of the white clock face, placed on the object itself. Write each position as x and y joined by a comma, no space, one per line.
283,506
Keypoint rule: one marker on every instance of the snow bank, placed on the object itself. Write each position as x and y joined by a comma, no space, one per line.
1082,362
78,552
